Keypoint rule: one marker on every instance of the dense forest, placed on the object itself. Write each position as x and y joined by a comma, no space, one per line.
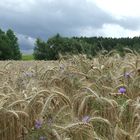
50,49
90,46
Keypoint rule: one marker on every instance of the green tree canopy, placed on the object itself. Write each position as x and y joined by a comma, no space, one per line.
84,45
56,45
9,48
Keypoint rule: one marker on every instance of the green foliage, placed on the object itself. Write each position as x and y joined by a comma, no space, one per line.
9,48
40,50
90,46
56,45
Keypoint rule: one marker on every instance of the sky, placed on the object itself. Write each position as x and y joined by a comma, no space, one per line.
31,19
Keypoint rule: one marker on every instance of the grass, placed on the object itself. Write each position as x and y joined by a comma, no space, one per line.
27,57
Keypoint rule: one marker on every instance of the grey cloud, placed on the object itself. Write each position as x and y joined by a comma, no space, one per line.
45,18
26,43
131,23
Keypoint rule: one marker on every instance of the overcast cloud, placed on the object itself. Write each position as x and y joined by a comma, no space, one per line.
44,18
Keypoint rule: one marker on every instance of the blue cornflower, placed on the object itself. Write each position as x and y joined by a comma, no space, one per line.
127,75
86,119
122,90
38,124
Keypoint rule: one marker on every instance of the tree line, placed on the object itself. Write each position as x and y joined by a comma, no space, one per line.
90,46
50,49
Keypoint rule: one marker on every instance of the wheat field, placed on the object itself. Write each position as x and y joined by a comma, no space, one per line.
71,99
